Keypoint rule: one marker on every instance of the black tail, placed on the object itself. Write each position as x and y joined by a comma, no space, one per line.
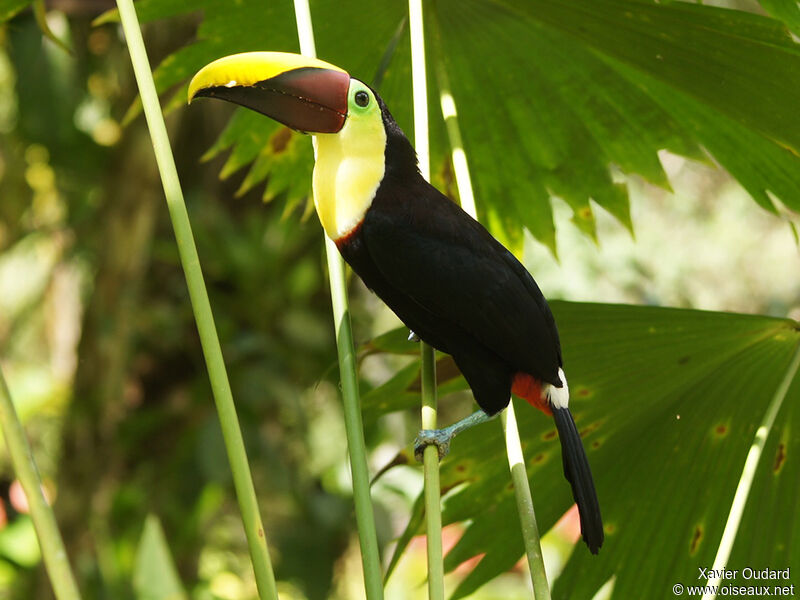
579,475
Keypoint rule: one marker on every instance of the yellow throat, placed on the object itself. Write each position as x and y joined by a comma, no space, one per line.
350,166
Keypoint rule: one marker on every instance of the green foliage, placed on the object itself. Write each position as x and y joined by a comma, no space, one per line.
787,11
18,543
155,576
286,165
583,84
549,95
9,8
764,538
667,402
132,430
572,86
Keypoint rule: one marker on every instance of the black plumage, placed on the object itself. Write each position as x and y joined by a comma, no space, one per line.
451,282
464,293
579,475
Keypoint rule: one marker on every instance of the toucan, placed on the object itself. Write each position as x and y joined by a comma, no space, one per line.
442,273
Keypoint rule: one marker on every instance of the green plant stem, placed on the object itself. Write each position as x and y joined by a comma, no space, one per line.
44,521
242,479
430,465
40,14
457,154
748,474
516,461
354,427
430,457
419,83
527,516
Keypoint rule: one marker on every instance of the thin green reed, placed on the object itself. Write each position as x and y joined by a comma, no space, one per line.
242,479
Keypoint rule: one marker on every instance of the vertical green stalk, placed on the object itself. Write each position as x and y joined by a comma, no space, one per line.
365,519
53,553
527,516
516,461
242,480
430,465
430,457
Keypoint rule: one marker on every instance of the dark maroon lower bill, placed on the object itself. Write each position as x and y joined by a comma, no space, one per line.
308,99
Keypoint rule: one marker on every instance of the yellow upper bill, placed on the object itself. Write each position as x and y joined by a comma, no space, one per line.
249,68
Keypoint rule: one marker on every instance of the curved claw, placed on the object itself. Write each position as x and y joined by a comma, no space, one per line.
432,437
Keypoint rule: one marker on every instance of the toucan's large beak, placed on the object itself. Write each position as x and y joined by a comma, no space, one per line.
304,93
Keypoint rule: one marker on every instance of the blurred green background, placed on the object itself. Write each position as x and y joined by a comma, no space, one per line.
100,349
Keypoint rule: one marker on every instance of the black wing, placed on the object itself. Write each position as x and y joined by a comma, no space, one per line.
429,249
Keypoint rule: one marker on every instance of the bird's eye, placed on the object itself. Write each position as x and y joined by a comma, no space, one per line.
362,98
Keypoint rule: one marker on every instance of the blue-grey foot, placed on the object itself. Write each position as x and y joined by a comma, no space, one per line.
441,437
413,337
432,437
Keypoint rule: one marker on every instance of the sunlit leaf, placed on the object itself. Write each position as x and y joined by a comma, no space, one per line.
395,394
155,576
18,542
9,8
787,11
402,390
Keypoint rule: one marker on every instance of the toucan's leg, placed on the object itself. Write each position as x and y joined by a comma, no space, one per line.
441,437
412,337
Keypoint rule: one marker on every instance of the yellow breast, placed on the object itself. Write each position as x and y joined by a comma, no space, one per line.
349,168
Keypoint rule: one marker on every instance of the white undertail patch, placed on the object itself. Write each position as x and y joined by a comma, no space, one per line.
558,397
